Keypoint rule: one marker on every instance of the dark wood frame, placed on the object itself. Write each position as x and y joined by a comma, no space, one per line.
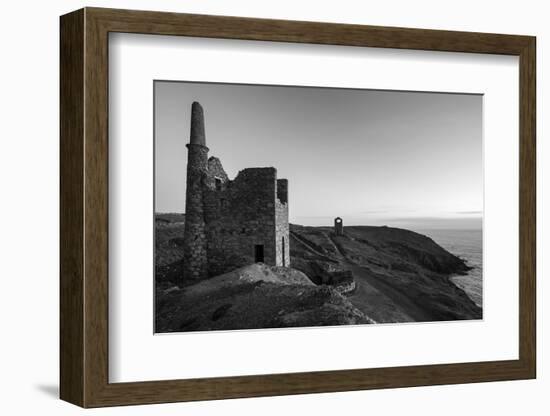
84,210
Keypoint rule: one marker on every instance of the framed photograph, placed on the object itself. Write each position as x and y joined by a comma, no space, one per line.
260,207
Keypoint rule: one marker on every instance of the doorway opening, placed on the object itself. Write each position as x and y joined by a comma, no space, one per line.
284,257
259,253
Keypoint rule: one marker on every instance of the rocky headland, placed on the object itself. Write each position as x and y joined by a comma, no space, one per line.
400,275
397,276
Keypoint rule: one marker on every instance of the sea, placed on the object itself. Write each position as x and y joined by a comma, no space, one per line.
468,245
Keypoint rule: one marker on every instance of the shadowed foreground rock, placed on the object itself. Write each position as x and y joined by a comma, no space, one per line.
255,296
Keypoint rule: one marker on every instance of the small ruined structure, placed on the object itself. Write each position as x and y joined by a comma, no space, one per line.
338,226
333,275
231,223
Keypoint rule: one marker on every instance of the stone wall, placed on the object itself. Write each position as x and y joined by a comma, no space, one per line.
240,216
216,171
282,235
346,288
282,190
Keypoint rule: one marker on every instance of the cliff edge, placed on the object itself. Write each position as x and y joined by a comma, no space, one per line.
400,275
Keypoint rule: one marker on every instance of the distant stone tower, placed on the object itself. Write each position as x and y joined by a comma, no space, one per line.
338,226
194,238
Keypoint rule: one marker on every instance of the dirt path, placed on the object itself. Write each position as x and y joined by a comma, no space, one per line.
401,303
308,246
376,297
374,303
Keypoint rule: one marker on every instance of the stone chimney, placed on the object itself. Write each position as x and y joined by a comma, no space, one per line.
194,237
197,124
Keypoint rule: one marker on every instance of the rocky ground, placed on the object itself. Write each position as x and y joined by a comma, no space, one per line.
400,276
255,296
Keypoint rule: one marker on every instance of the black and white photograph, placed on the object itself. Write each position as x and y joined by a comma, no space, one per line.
290,206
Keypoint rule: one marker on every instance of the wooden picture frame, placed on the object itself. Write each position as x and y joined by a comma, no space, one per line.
84,207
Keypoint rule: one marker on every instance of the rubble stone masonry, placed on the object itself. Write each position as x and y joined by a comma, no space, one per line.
231,223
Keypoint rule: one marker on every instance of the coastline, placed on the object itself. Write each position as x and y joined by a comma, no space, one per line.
466,244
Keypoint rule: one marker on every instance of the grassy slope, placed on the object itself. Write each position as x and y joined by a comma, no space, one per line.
401,275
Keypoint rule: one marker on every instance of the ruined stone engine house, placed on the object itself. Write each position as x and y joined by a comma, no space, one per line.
231,223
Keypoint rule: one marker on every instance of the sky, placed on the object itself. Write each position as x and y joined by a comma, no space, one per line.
402,159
